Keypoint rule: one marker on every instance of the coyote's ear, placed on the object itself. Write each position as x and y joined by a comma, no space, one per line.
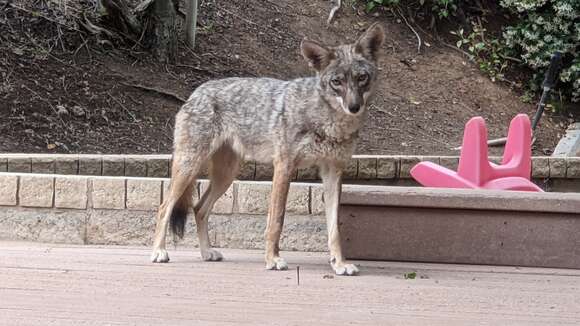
318,56
370,42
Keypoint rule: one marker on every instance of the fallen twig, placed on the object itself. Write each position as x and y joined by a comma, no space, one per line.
36,14
333,10
511,58
54,110
158,91
273,3
94,29
198,69
142,35
48,52
411,28
129,113
79,48
253,23
469,56
190,50
240,17
510,82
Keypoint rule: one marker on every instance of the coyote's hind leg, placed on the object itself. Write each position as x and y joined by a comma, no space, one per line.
224,166
176,205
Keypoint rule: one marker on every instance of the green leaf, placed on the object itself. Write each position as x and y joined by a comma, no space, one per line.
459,43
410,276
370,6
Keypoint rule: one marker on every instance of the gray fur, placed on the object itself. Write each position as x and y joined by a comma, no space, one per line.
261,118
292,124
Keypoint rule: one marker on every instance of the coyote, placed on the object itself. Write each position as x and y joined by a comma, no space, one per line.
290,124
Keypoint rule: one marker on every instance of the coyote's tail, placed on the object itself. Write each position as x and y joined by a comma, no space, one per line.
179,212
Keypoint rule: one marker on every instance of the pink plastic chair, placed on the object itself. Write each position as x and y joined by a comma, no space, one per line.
475,171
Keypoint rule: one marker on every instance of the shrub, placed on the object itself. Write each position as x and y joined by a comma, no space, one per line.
543,27
538,29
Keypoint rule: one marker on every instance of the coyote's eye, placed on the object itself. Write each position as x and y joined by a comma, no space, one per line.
336,82
363,78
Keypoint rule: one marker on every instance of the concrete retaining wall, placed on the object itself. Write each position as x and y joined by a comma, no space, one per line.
122,210
361,167
377,222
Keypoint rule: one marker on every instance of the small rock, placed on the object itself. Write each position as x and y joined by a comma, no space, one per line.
78,111
61,110
547,151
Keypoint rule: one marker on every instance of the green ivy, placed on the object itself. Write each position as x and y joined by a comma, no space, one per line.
372,4
546,26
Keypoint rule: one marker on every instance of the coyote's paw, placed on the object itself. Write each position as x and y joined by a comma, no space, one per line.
345,269
211,255
159,256
277,263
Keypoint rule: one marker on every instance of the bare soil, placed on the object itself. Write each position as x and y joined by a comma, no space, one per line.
63,91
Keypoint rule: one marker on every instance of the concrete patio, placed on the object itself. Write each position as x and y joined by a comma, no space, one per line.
47,284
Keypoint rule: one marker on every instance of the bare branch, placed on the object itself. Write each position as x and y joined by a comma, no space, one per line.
336,5
159,91
412,29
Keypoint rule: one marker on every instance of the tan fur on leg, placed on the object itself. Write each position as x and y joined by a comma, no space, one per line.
283,172
224,167
179,199
331,177
178,194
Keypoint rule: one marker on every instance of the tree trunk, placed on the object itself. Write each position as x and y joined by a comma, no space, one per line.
161,31
120,18
152,24
190,23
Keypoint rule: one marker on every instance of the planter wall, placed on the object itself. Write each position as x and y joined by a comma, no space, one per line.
461,226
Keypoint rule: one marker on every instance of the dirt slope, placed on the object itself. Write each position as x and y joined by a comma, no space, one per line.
63,92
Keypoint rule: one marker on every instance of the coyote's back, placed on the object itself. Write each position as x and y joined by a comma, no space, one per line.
305,119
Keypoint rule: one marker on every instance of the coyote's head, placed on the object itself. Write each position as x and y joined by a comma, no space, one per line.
347,72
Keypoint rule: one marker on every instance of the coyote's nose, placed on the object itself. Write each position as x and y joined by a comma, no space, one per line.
354,108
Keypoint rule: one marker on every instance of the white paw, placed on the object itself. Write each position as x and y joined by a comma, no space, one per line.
277,263
159,256
211,255
345,269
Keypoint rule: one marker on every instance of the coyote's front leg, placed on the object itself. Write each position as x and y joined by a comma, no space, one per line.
331,178
283,172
